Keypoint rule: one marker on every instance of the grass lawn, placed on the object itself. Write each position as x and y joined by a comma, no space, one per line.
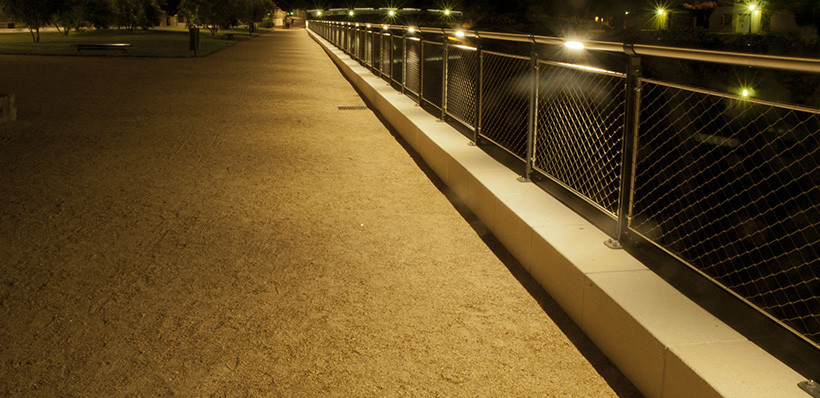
151,43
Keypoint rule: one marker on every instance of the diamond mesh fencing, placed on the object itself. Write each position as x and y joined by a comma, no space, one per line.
462,84
505,104
384,61
412,79
397,47
433,70
731,187
580,130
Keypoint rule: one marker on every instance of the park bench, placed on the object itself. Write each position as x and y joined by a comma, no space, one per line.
103,47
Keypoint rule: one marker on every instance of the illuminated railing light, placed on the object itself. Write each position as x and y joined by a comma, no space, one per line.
411,30
661,11
574,45
460,34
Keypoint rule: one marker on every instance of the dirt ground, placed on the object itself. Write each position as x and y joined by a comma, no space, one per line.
216,226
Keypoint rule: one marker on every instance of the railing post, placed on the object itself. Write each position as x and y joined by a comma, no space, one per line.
630,145
404,62
421,68
444,75
532,120
480,93
390,52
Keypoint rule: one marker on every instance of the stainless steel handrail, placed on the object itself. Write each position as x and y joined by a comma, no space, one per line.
811,65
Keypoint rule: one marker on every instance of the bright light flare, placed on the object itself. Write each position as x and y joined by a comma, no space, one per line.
350,13
574,45
411,30
447,13
752,7
391,13
460,34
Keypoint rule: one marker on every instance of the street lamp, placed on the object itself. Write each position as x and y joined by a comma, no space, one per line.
574,45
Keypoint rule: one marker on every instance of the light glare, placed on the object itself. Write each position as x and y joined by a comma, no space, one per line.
574,45
661,11
459,33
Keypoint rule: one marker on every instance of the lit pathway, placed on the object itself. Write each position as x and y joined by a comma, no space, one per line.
217,225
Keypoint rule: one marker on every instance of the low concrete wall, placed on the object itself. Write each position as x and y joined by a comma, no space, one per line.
8,112
663,342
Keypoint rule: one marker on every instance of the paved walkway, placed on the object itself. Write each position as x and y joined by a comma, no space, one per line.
218,226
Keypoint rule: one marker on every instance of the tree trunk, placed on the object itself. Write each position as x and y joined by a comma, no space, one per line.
35,33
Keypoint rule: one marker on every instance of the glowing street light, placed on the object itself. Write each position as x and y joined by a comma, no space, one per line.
350,13
411,30
752,7
391,13
574,45
745,93
460,34
318,13
446,13
661,11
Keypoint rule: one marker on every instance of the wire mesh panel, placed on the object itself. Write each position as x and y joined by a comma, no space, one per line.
505,105
462,83
580,130
385,55
433,72
412,80
397,48
731,187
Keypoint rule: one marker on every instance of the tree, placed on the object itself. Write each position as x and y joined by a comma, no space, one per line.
137,13
70,16
214,14
100,13
34,13
253,11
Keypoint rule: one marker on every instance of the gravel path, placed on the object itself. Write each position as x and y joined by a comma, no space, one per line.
217,226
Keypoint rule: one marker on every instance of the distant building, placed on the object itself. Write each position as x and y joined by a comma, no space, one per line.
173,21
284,19
745,18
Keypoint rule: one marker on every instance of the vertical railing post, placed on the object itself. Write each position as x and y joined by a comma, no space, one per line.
421,68
392,59
532,120
404,62
630,145
444,80
480,94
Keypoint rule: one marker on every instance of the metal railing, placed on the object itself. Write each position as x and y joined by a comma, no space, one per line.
723,186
